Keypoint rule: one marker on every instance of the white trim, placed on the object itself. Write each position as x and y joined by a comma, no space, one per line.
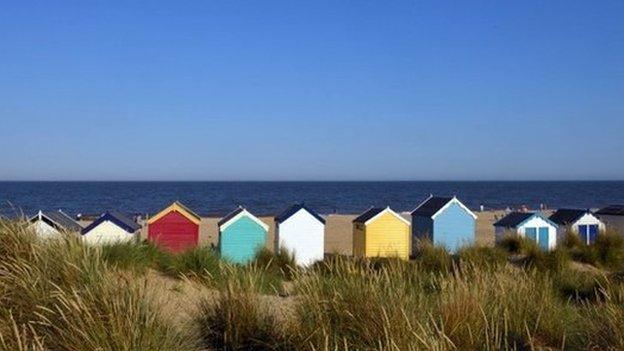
456,201
387,210
422,203
588,213
242,213
41,215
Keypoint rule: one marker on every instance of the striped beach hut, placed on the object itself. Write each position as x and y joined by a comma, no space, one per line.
53,223
581,222
444,221
111,227
381,232
301,232
530,225
175,228
241,236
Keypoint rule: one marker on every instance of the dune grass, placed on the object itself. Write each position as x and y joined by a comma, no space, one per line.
132,256
239,319
62,295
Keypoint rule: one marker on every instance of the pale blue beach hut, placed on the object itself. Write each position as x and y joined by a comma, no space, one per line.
445,221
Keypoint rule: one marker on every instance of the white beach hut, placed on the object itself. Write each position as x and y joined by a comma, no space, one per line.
530,225
301,232
53,223
111,227
581,222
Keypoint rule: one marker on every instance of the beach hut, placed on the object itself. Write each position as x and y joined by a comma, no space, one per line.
531,225
241,235
581,222
175,228
53,223
444,221
111,227
381,232
613,217
301,232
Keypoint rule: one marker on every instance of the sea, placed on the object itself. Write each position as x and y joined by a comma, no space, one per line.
269,198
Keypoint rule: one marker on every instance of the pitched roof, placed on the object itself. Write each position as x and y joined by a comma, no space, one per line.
368,214
613,210
120,219
178,207
565,216
60,220
513,219
294,209
240,211
230,215
431,206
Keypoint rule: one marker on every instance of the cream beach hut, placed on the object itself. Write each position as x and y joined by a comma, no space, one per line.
53,223
111,227
581,222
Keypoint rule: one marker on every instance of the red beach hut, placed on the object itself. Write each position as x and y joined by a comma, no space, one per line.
176,228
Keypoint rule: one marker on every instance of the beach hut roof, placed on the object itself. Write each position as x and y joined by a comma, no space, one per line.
294,209
59,219
515,219
373,212
613,210
565,216
120,219
235,215
176,206
435,205
368,214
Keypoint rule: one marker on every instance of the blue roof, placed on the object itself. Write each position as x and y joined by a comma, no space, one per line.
368,214
230,215
294,209
431,206
120,220
516,219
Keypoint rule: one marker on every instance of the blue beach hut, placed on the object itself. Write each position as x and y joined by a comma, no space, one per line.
531,225
241,235
445,221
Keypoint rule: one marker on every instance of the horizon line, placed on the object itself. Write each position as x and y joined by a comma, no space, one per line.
299,181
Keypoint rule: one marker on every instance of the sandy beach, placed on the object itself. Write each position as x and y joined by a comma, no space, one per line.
338,231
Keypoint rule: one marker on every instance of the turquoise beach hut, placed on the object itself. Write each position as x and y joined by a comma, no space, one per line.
241,235
445,221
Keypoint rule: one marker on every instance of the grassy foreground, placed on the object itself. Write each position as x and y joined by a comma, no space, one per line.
61,295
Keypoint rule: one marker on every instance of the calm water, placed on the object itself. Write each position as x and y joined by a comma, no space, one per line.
217,198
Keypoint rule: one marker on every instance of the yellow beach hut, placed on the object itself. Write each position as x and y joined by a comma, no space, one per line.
381,232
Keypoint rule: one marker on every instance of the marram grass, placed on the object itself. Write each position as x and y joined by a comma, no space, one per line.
61,295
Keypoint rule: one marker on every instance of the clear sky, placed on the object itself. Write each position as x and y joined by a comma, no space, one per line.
311,90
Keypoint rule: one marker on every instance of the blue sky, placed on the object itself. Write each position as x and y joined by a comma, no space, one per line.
314,90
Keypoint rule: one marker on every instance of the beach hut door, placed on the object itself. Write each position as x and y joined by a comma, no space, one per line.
543,238
582,229
593,232
531,233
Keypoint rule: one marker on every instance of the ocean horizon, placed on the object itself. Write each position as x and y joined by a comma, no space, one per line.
216,198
